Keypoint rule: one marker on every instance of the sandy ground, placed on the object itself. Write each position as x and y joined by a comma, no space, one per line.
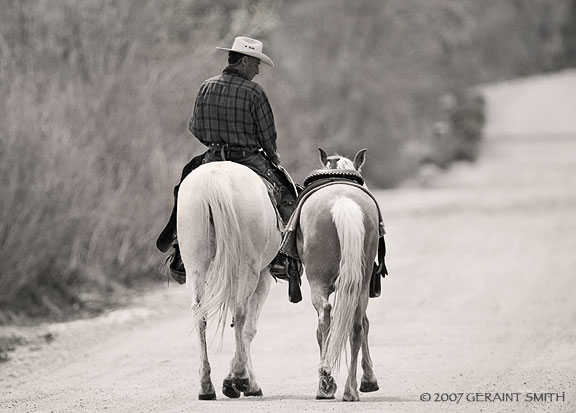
478,306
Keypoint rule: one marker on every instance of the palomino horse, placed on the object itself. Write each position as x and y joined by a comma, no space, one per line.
228,234
337,243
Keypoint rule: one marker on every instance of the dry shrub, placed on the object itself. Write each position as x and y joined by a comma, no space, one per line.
370,73
95,100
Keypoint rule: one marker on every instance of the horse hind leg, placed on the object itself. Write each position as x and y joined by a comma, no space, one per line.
197,255
207,391
327,385
368,383
238,380
254,308
356,340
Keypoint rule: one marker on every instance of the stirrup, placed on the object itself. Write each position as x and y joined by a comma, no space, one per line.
166,237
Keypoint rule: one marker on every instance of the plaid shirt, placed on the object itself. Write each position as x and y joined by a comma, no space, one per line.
230,109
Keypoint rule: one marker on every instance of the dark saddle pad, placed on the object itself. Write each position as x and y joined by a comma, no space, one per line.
333,174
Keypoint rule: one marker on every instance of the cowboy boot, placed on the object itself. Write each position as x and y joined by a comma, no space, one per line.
279,267
288,268
168,234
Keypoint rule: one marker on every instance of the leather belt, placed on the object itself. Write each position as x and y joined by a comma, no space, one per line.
233,152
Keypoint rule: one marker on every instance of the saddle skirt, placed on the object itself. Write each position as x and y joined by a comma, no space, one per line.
274,199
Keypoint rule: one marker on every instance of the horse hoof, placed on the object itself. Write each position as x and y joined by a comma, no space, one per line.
349,397
321,396
327,388
257,393
242,384
229,389
369,386
206,396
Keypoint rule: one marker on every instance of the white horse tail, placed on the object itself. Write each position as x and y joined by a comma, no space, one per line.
349,221
217,209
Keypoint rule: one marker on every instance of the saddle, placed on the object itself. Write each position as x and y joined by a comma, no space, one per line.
322,178
274,179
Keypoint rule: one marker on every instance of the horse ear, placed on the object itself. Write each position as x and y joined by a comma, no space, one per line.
323,156
359,159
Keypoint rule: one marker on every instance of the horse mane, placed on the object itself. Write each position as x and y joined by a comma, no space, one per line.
342,163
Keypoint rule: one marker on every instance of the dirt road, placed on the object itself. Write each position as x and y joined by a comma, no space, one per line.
478,308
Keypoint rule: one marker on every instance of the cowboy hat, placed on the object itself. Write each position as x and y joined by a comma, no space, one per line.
249,47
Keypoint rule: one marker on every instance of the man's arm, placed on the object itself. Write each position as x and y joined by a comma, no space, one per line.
265,127
193,124
197,125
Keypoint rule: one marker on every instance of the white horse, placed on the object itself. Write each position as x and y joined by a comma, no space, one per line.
228,235
338,241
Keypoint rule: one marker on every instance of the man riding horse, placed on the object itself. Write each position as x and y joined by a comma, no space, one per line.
233,118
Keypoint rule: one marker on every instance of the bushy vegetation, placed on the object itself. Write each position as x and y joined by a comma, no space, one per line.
374,73
95,98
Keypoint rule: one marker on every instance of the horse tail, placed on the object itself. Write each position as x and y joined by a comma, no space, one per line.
215,191
349,221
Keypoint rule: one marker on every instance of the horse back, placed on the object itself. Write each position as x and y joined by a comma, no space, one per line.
318,242
248,191
249,196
